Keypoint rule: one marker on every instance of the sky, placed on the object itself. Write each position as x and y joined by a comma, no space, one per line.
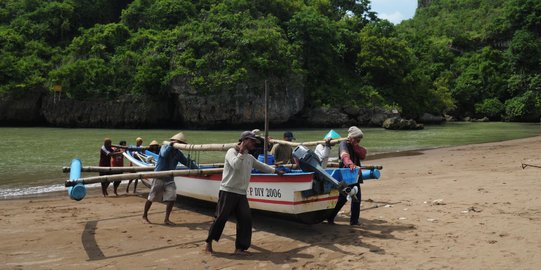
394,10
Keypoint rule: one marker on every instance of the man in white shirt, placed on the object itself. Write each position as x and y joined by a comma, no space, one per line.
232,197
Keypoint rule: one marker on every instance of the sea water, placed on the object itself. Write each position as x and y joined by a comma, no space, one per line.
31,159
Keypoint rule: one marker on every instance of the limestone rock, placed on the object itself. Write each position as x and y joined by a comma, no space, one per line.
396,123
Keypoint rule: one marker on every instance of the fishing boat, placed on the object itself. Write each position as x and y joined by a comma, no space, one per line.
307,195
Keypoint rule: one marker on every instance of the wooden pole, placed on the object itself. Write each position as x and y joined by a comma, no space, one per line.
67,169
226,146
265,142
203,147
144,175
333,142
110,169
141,175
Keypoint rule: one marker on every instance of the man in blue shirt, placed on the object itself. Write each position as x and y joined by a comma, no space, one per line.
164,189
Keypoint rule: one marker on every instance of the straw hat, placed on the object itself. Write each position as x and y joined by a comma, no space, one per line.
153,142
139,139
179,137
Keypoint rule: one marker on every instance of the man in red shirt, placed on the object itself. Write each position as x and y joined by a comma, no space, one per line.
350,154
118,161
106,152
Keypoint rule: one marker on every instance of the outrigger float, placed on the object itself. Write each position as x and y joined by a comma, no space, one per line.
306,194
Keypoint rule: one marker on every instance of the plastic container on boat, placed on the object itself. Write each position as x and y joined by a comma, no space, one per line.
270,159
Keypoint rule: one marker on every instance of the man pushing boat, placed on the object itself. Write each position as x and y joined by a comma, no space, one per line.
232,196
164,189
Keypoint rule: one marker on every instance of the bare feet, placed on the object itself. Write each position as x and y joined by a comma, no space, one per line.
241,252
208,249
169,222
146,221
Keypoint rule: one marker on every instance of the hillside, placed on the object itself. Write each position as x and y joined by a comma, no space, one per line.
464,58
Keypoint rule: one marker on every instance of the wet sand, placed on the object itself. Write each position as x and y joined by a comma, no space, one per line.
466,207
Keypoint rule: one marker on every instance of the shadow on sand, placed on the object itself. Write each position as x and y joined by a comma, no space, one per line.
326,236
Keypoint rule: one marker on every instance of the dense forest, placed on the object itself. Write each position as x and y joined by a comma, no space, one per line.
467,58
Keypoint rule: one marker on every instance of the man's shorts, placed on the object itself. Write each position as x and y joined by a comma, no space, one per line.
162,191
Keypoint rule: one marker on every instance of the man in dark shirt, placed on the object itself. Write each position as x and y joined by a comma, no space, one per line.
106,153
283,153
350,154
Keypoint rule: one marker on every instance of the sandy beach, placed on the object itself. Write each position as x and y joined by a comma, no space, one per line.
466,207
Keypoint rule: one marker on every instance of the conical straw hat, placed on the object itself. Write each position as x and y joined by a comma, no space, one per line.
179,137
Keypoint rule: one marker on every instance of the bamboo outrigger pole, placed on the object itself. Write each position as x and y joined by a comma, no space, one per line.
67,169
226,146
144,175
141,175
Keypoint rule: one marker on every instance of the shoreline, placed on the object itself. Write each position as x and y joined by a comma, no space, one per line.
369,158
460,207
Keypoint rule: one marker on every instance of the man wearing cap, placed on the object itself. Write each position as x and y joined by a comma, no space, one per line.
163,188
350,154
232,196
283,153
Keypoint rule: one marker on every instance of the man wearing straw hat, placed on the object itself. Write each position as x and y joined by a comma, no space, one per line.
154,147
163,188
232,197
350,154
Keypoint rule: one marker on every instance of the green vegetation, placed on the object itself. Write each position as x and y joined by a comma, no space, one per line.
483,55
466,58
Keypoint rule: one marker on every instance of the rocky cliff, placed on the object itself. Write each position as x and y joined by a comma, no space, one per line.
22,108
183,108
242,107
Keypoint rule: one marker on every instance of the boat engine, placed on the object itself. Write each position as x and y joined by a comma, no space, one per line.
308,161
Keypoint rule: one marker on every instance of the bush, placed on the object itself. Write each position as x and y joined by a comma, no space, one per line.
526,107
491,108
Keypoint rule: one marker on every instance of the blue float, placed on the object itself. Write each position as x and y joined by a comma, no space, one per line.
77,192
371,174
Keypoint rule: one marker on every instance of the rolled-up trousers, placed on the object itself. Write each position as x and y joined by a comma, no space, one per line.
232,203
